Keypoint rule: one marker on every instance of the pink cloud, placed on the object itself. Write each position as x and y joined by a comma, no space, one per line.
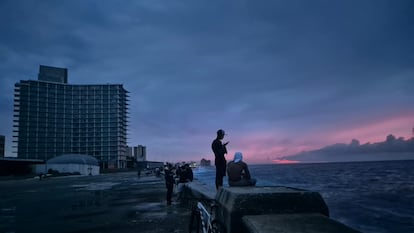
258,147
399,126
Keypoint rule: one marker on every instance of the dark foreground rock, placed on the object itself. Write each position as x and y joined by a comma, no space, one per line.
116,202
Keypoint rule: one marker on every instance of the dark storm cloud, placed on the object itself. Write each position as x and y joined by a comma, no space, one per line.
193,66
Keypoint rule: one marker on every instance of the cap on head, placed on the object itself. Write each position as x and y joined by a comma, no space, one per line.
238,156
220,132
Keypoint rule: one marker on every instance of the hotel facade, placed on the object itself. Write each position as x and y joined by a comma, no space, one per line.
52,118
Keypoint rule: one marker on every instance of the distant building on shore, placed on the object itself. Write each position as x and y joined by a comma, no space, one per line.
2,145
205,162
139,153
52,118
136,154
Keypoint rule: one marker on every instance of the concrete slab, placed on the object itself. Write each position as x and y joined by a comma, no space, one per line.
253,190
198,190
236,202
293,223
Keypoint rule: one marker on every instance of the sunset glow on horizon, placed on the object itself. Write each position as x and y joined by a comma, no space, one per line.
266,147
284,161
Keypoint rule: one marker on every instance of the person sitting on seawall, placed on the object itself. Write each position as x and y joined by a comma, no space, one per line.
238,172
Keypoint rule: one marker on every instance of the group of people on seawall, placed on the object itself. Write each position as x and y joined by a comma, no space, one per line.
237,170
176,175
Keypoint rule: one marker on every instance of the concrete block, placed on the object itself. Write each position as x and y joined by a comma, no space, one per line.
199,191
236,202
193,192
293,223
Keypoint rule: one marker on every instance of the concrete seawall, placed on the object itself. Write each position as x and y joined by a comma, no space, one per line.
268,209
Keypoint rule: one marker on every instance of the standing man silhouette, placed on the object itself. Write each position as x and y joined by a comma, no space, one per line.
219,150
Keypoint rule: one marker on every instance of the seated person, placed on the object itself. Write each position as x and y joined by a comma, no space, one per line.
238,173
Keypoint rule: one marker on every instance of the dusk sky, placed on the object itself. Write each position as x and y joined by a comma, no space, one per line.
279,77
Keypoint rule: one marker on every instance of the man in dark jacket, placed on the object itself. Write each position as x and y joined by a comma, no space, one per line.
169,181
185,174
238,172
219,150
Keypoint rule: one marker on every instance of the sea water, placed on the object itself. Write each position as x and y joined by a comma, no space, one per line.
372,197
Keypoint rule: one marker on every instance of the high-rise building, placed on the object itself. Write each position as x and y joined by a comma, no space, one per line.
2,143
53,118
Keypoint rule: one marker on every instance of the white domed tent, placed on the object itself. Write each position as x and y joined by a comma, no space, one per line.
84,164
